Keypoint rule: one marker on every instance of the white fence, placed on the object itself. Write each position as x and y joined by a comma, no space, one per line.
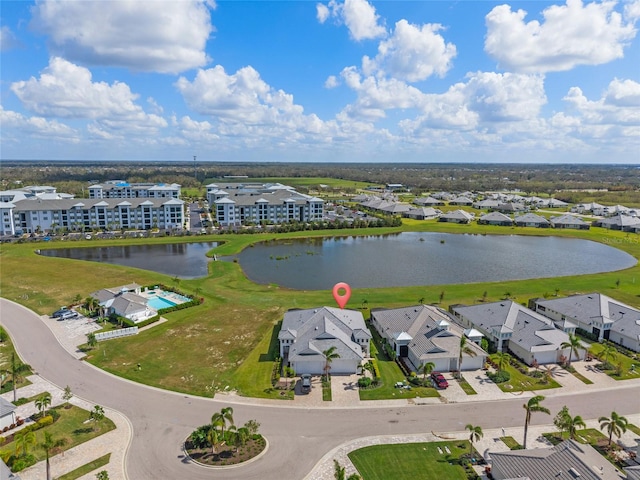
123,332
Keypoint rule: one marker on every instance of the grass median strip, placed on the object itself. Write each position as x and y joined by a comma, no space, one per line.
86,468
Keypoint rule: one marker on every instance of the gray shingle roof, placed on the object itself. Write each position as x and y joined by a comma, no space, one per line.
546,463
316,330
6,407
531,218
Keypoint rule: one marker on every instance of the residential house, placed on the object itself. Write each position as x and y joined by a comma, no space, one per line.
622,222
567,460
512,327
596,313
552,203
495,218
461,201
125,301
531,220
422,213
588,208
7,414
486,204
425,333
306,334
569,221
457,216
428,202
6,473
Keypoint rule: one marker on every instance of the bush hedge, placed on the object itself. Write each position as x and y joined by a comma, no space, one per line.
499,377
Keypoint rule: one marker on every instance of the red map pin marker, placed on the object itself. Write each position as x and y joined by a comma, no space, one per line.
341,300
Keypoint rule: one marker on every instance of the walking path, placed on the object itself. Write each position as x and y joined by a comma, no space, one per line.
344,395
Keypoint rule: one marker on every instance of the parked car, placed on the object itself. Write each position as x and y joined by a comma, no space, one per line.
58,313
306,382
67,315
438,380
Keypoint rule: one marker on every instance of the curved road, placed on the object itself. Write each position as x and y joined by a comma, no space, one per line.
298,437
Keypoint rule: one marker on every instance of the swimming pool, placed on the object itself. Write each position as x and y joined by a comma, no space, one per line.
158,303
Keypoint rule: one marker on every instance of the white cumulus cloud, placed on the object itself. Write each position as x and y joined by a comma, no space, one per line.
359,16
66,90
155,36
15,126
413,53
570,35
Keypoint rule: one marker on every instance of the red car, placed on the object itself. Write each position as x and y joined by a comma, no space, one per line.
439,380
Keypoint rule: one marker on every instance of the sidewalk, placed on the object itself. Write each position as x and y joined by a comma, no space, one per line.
114,442
490,442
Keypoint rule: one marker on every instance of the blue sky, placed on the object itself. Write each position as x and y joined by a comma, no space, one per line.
307,81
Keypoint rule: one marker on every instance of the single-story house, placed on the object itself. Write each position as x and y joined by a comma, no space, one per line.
125,301
428,202
7,413
425,333
457,216
510,207
625,223
495,218
462,201
513,327
598,314
552,203
486,204
569,221
588,208
422,213
569,460
531,220
306,334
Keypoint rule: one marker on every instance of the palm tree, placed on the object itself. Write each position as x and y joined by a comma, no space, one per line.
426,369
464,348
213,437
532,406
549,372
502,360
572,425
43,402
475,434
24,439
616,425
227,416
574,345
48,444
608,353
330,355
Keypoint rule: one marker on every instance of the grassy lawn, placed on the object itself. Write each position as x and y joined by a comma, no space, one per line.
87,468
326,389
629,367
521,382
410,461
72,427
511,442
7,350
588,435
466,386
226,340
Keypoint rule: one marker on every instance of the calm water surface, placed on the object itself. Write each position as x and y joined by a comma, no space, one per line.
184,260
419,258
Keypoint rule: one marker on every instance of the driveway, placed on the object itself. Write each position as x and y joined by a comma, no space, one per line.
298,437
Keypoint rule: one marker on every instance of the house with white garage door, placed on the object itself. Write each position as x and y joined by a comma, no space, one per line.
423,334
306,335
514,328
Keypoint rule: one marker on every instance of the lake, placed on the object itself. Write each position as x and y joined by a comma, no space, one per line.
424,258
183,260
396,260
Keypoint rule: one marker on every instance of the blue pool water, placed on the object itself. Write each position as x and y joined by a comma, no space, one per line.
158,303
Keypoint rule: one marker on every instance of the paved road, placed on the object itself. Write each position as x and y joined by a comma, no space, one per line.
299,437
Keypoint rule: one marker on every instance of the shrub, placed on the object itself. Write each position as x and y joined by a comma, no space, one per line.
364,382
55,414
499,377
374,366
45,421
23,462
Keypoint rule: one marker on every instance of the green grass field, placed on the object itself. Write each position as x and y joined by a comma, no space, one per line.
410,461
225,342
